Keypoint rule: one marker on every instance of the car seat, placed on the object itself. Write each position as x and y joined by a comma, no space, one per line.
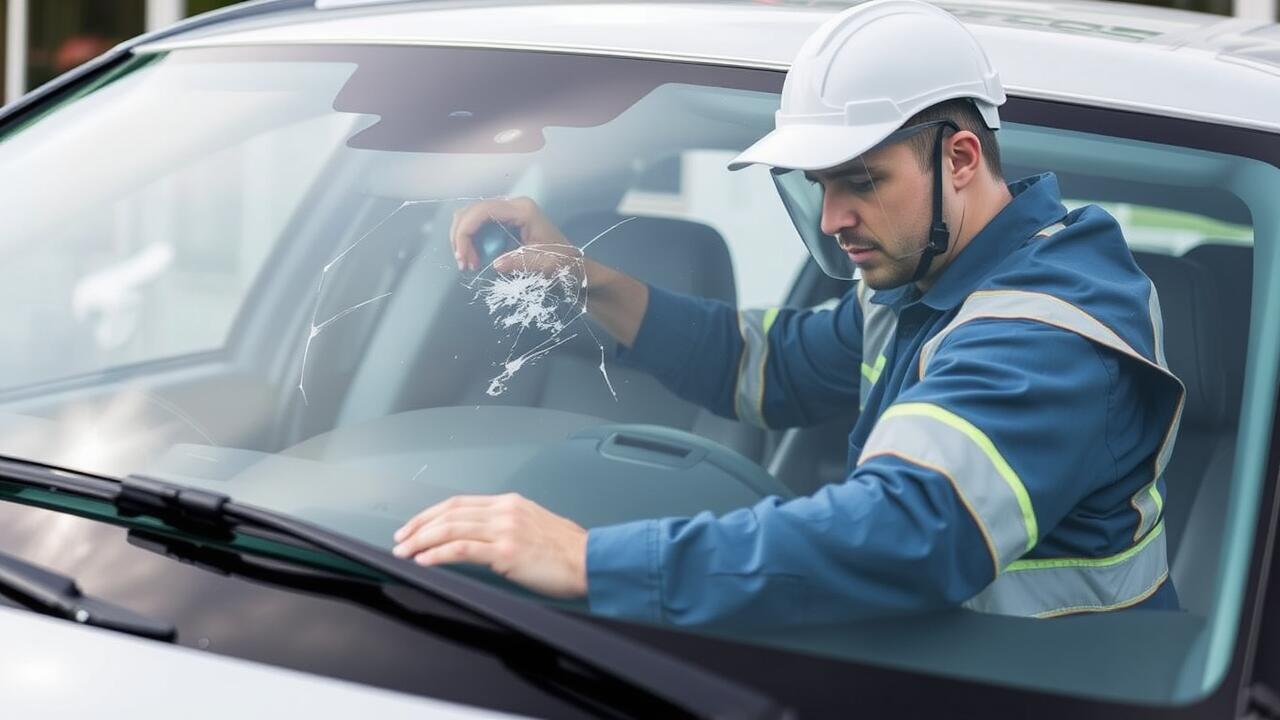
1201,351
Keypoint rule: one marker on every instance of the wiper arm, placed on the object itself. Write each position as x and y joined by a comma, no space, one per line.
381,596
57,595
685,687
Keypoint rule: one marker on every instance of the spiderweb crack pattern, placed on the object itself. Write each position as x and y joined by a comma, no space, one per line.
543,302
525,300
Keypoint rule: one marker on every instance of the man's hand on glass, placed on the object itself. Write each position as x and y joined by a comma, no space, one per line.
614,300
513,536
517,538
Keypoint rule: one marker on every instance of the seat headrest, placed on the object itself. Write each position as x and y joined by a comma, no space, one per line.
1232,265
678,255
1192,310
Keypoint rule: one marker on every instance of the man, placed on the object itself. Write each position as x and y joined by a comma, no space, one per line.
1016,410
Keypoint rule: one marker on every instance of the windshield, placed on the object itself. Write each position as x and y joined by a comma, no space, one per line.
232,269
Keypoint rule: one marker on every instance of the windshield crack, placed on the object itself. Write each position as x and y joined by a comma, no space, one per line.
524,300
531,298
318,326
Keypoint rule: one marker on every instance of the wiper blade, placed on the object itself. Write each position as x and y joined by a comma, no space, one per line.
57,595
687,688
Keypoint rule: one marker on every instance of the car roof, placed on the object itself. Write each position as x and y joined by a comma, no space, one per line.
1148,59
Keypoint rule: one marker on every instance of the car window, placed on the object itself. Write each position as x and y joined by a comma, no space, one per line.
302,198
1169,231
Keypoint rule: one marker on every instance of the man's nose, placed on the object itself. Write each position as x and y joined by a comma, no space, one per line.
836,216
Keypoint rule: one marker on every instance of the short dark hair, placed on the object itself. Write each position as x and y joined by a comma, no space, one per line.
965,115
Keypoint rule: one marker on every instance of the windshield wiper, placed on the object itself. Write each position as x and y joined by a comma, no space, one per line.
390,599
603,696
57,595
687,688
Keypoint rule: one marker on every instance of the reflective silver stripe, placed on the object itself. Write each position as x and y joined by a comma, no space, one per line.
1054,587
1144,501
1040,307
936,439
1147,501
749,398
1157,324
879,322
1026,305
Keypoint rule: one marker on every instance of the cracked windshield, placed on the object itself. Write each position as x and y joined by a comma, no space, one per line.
302,277
351,283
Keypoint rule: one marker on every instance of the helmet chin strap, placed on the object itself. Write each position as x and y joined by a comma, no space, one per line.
939,233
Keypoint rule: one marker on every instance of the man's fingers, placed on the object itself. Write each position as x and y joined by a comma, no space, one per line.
522,258
537,258
454,503
441,533
461,241
459,551
462,248
466,514
473,217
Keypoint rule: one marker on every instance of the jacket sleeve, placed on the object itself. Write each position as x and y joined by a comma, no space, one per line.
777,367
1003,436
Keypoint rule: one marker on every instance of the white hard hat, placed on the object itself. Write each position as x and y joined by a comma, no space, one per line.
863,74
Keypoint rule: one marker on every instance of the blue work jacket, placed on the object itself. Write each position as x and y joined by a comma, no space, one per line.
1014,423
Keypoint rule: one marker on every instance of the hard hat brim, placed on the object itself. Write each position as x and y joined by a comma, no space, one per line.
813,147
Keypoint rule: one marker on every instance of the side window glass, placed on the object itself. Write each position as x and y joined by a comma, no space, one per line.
1171,232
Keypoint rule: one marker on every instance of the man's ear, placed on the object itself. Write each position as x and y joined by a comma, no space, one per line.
963,155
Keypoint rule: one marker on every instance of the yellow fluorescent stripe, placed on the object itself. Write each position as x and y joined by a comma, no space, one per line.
1155,495
873,373
988,448
1087,562
769,316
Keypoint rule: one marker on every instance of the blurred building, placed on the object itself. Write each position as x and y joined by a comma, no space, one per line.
40,39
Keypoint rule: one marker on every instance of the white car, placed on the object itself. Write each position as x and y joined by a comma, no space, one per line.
236,354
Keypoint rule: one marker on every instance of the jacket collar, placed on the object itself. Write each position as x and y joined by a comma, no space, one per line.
1036,205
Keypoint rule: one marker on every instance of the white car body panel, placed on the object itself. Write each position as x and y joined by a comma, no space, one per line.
52,669
1148,59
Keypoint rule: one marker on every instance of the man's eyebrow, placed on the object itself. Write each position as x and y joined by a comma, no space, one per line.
848,171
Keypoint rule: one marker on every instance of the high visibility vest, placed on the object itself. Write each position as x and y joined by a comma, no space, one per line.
993,492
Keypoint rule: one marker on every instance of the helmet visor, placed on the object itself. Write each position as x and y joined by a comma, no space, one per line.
803,201
839,256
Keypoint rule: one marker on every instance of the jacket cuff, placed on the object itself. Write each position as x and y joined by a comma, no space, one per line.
624,576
